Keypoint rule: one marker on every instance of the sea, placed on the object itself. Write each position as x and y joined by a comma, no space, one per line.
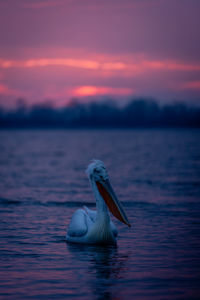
155,174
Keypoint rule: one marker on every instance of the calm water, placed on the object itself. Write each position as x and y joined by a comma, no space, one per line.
155,173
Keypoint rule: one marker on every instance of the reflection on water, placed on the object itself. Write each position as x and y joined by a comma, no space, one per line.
105,263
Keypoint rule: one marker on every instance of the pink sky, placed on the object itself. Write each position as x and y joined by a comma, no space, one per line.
62,49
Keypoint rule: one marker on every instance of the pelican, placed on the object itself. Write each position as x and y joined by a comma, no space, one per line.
95,227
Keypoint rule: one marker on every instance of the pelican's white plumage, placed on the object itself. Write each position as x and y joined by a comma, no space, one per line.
95,227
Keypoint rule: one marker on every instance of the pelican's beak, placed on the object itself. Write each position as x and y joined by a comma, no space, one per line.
107,193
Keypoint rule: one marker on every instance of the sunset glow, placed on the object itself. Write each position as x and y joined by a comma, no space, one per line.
63,49
93,90
140,66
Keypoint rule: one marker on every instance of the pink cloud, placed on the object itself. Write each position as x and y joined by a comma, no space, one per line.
5,90
93,74
108,64
44,62
83,91
191,85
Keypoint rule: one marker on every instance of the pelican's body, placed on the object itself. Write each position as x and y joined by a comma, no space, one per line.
95,227
86,227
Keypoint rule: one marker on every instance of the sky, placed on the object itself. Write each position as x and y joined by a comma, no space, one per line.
57,50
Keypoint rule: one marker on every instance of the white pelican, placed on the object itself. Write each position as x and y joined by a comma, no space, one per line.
95,227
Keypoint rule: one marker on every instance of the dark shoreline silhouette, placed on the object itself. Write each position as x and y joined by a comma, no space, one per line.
138,113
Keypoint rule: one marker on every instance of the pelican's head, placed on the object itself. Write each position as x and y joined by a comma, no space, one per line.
97,173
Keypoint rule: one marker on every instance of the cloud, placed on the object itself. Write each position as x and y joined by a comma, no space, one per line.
3,89
191,85
64,94
6,90
138,66
82,74
83,91
44,62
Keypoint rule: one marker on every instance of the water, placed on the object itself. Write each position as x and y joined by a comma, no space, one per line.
155,173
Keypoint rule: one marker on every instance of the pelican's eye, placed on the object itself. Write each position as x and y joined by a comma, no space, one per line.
102,178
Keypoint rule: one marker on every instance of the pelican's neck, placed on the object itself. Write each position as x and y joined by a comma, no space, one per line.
101,231
102,210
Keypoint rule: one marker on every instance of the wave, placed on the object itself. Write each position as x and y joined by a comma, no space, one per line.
27,202
141,205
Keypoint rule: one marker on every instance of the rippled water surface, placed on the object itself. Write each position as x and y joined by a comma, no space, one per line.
156,175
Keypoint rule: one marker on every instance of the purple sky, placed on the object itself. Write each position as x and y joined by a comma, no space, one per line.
61,49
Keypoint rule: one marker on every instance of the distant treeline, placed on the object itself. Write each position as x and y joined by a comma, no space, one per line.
137,113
